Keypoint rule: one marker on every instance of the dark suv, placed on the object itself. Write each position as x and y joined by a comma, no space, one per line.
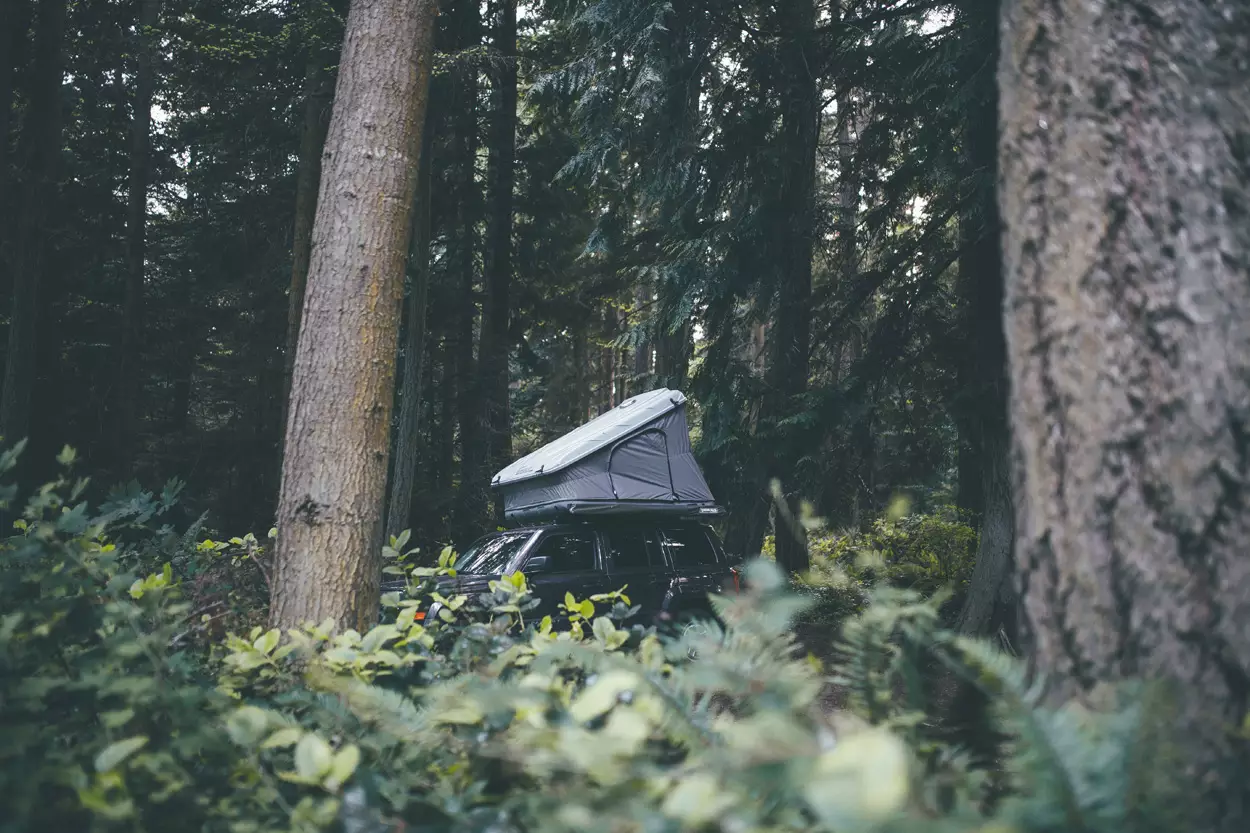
667,567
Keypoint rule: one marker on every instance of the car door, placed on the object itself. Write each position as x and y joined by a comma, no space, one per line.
563,561
635,561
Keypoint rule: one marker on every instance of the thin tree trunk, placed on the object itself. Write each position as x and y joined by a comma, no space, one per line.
12,33
343,387
644,352
1125,194
581,376
496,309
607,362
471,496
318,95
38,150
408,431
129,388
622,358
791,336
990,604
445,442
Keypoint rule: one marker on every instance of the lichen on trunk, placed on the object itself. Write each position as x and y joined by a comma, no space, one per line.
338,429
1125,192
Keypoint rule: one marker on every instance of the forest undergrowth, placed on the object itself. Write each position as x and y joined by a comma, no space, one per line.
123,707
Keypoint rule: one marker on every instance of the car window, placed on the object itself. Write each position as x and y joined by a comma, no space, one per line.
491,555
688,546
631,549
570,552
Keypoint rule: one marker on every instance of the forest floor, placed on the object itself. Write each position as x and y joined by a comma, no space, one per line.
819,640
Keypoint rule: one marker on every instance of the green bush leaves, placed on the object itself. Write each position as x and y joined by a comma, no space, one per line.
115,710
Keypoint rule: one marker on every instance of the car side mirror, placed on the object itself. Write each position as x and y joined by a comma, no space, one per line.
538,564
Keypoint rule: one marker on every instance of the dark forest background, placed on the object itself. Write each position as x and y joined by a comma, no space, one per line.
781,210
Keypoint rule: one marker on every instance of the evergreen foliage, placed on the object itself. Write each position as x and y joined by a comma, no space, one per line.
644,233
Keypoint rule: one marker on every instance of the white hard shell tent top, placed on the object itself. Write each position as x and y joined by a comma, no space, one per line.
634,458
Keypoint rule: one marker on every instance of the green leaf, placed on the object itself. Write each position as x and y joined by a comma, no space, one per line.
378,637
247,725
602,695
866,777
115,754
267,641
283,738
465,714
313,757
116,719
608,634
345,762
697,800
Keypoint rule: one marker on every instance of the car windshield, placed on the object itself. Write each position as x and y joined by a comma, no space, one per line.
492,554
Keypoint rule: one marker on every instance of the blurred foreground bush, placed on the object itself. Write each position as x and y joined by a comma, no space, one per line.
118,711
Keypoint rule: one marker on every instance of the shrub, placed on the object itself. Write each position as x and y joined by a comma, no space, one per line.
113,717
929,553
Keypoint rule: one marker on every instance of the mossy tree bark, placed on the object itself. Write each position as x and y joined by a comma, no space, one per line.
1125,191
343,385
318,90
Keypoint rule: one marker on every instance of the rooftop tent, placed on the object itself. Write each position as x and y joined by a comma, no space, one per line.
633,458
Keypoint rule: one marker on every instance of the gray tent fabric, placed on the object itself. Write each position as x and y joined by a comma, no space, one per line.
633,458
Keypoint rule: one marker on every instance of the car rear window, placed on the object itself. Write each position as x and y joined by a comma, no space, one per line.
688,546
632,549
570,552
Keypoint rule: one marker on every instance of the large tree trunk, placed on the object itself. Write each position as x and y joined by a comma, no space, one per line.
128,389
408,431
343,388
990,604
1126,196
791,332
38,150
496,310
318,93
